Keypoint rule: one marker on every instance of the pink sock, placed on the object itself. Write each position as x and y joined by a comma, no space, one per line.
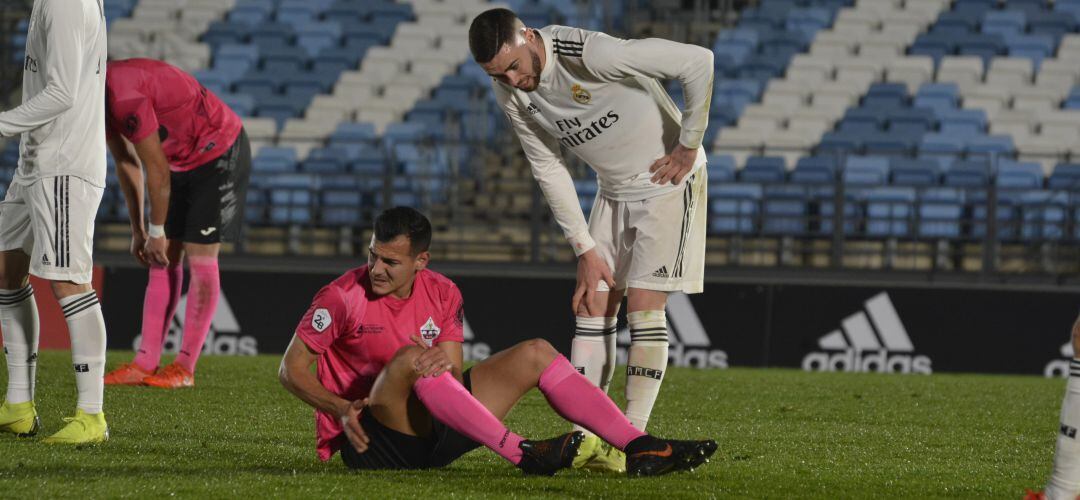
451,404
202,300
581,402
159,304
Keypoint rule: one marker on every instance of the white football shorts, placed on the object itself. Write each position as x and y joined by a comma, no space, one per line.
52,220
656,243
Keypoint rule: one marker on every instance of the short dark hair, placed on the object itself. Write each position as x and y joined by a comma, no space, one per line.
490,31
398,221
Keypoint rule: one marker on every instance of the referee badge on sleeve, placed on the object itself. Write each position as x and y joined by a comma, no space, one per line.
321,320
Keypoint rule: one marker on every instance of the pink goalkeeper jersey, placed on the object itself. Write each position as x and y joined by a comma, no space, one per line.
145,96
356,333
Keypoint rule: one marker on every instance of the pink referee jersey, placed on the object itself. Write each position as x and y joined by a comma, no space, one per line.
145,96
356,334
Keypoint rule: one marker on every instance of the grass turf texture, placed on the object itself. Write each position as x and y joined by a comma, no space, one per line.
782,434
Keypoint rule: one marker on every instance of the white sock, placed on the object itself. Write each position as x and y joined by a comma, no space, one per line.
1065,480
87,329
19,321
646,364
590,354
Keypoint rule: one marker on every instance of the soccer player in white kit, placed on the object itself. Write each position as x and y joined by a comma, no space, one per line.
1065,480
47,217
601,98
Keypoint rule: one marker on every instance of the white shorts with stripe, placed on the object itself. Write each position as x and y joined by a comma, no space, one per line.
52,220
656,243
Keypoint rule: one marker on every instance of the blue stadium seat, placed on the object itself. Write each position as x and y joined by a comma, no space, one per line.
968,173
1014,174
910,121
369,162
295,12
275,159
990,145
283,60
986,46
1004,22
734,208
839,142
784,210
826,202
1034,47
937,96
235,59
1065,176
225,32
940,145
721,168
354,133
316,36
962,122
242,104
808,21
889,211
914,172
814,170
1054,24
323,165
1007,218
259,84
393,13
763,169
347,12
940,211
866,170
858,119
1043,215
890,143
403,132
272,35
251,12
336,60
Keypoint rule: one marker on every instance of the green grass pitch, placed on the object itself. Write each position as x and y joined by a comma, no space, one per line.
782,434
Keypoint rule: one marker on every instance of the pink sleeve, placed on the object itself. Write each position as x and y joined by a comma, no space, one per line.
327,319
132,114
455,317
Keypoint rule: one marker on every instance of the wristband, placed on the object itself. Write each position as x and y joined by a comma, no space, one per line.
156,231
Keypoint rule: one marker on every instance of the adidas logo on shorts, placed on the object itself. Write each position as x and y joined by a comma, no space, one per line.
660,273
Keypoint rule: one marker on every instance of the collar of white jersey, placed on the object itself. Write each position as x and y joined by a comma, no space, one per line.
549,61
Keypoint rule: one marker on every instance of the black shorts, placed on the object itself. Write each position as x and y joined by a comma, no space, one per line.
206,204
390,449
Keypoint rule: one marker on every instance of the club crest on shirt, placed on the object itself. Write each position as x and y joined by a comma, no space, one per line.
320,320
429,331
580,95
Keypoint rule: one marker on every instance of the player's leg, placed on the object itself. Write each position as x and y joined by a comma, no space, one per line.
62,214
501,380
202,300
159,305
668,255
18,315
648,354
595,321
1065,480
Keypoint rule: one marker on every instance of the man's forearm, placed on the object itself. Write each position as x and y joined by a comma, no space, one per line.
305,386
131,185
158,187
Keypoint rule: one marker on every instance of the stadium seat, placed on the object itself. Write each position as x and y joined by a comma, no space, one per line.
784,210
734,208
888,211
940,213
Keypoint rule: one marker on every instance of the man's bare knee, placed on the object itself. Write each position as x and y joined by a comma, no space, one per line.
63,289
403,359
540,352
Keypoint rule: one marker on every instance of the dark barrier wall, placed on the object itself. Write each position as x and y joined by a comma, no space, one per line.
830,328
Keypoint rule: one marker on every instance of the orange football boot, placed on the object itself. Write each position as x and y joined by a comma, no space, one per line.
127,374
173,376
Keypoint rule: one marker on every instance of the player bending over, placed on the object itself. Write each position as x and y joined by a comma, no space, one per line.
197,162
1065,481
47,217
389,392
601,98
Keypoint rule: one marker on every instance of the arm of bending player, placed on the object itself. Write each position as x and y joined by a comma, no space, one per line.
549,170
62,66
129,172
296,375
614,59
158,186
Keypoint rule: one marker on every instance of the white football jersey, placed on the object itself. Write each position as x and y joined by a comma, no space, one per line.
62,115
601,98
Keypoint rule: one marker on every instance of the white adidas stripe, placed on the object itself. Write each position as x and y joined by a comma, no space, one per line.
861,335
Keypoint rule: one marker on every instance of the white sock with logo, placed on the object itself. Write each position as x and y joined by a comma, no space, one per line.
646,364
590,352
19,322
87,329
1065,480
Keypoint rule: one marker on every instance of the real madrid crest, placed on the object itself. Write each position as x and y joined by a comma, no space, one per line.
580,95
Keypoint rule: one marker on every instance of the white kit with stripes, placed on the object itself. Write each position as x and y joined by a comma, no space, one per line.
50,207
601,98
